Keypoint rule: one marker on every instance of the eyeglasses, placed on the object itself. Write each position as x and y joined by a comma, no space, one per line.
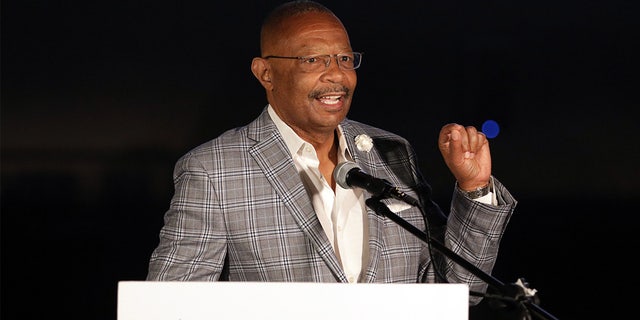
320,62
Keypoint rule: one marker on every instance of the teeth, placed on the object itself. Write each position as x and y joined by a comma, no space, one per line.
330,99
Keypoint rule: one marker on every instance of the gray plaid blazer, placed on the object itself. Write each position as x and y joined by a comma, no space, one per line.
240,213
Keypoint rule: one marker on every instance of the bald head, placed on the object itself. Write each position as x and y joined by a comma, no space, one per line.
280,21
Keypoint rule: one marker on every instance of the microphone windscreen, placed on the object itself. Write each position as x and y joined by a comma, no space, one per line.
341,171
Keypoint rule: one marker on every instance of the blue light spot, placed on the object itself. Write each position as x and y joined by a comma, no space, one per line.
490,129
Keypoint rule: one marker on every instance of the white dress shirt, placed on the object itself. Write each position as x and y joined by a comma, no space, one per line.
341,214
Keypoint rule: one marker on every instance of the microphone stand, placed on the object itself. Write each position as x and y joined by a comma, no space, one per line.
511,293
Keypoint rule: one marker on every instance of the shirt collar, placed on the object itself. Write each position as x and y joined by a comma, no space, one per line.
295,144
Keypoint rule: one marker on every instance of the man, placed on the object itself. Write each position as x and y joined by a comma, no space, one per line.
261,203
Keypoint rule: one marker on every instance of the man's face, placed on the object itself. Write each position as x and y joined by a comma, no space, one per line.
317,101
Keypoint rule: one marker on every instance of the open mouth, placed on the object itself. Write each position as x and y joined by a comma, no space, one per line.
330,99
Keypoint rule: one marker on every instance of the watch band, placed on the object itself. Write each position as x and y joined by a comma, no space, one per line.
479,192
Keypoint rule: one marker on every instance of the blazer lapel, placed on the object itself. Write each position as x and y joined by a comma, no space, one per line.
376,233
275,161
375,222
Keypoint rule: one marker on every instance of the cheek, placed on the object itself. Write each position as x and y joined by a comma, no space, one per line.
353,79
300,86
292,89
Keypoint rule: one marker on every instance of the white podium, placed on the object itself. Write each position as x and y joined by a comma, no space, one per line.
148,300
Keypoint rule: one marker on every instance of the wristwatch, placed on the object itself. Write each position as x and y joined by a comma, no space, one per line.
479,192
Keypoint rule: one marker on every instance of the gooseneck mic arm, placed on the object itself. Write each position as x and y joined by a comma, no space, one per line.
349,175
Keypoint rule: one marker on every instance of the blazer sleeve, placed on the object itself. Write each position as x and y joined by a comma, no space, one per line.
474,231
192,244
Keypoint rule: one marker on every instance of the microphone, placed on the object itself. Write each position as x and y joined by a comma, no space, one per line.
348,175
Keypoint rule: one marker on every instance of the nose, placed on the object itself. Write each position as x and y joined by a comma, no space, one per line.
333,73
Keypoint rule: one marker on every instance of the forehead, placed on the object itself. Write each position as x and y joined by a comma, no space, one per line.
309,32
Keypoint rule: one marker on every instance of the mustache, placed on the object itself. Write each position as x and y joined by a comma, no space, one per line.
340,89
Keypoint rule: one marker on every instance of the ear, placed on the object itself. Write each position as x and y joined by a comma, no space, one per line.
261,70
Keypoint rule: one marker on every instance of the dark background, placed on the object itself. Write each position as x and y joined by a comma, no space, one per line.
100,98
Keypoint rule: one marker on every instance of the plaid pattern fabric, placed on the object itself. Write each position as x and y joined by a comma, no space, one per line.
240,213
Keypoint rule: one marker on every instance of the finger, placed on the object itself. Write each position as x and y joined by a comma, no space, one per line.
465,143
458,145
481,141
477,140
472,138
445,133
